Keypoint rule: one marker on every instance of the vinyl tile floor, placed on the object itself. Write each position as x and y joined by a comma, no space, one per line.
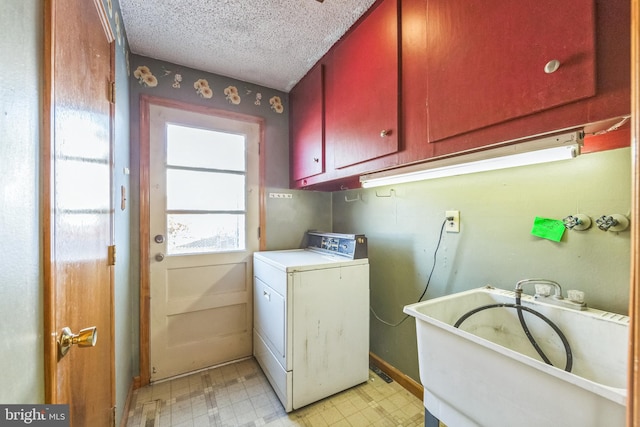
239,394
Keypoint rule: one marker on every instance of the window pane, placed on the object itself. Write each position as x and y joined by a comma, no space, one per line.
196,190
193,233
204,148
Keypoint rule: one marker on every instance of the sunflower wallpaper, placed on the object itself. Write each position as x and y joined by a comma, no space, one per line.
153,75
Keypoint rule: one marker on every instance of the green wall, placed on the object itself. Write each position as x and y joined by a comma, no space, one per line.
21,282
21,333
495,245
126,328
288,219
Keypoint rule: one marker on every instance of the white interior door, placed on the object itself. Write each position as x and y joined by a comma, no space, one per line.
204,219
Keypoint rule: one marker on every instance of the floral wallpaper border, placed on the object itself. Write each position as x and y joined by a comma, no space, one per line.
201,88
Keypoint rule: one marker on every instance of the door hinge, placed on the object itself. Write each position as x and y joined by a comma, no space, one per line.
112,92
258,232
112,255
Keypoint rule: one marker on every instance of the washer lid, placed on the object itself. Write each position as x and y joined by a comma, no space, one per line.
305,259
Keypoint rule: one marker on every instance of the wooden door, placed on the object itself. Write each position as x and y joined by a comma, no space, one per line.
204,219
77,207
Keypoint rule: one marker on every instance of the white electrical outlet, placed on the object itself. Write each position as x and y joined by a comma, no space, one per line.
280,196
453,221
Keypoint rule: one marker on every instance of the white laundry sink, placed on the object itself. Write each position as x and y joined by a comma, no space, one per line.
487,373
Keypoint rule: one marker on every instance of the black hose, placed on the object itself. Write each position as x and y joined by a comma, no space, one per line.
520,308
527,332
532,340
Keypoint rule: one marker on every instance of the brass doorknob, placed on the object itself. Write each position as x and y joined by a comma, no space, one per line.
87,337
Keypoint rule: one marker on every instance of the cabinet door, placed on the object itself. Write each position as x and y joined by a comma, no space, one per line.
362,90
486,60
307,125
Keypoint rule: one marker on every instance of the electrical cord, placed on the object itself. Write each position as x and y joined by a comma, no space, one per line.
433,267
435,254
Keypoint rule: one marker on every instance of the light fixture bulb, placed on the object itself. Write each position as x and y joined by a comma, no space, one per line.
544,150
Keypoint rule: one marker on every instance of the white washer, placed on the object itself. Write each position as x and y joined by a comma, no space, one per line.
311,322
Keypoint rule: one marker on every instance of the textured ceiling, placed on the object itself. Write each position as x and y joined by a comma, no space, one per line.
267,42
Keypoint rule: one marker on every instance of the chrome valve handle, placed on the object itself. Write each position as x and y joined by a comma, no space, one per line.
606,222
577,222
613,222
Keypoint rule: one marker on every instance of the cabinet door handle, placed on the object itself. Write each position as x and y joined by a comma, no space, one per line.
552,66
267,295
385,132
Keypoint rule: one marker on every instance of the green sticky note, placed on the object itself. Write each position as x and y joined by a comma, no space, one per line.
548,228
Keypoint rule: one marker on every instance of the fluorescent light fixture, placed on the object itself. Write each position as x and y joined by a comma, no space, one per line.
547,149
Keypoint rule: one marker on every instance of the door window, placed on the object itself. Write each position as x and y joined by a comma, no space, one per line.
206,188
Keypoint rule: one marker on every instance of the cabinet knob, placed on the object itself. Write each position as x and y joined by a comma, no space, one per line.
385,132
552,66
316,160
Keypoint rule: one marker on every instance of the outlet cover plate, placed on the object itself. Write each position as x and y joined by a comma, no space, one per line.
452,225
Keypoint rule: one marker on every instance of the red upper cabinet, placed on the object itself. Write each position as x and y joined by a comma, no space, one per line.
490,62
420,79
307,125
362,90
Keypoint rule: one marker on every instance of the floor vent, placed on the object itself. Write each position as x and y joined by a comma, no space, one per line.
381,374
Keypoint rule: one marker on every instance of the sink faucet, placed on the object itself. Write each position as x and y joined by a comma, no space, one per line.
556,285
557,297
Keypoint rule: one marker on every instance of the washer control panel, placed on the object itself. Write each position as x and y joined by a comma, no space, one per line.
352,246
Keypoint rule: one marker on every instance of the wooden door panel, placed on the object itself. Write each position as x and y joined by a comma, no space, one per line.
307,125
362,90
78,214
486,60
